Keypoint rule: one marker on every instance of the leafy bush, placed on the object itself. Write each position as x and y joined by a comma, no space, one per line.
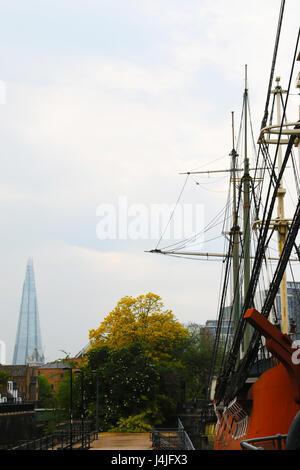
132,424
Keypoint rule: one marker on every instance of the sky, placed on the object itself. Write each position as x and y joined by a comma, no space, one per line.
103,104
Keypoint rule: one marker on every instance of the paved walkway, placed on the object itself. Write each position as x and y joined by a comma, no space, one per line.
118,441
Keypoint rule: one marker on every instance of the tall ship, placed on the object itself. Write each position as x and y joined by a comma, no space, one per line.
254,386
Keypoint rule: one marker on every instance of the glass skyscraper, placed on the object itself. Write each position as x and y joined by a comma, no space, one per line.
28,346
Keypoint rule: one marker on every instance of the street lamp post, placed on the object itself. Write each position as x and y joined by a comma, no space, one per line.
82,406
97,399
71,406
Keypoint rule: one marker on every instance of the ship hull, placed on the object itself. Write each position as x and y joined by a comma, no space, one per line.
273,408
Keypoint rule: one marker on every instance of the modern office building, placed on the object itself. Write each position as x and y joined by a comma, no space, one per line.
293,292
28,346
226,327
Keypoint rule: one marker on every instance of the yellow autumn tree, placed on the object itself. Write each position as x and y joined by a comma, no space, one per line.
144,320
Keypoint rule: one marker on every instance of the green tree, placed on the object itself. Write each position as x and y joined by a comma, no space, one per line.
142,320
137,423
46,396
128,382
4,378
63,395
197,359
148,364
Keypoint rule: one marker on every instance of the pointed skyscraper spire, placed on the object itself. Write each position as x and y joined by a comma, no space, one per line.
28,347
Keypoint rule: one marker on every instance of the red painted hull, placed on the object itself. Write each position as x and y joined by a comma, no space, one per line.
272,412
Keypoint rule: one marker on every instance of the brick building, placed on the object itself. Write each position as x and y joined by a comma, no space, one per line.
25,381
55,372
25,377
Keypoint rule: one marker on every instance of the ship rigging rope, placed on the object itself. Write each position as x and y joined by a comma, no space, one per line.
212,224
296,173
173,211
267,263
240,275
247,361
267,217
221,309
265,118
226,377
253,346
185,242
251,128
284,259
221,312
266,155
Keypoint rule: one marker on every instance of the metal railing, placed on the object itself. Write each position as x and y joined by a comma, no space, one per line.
188,445
171,438
60,441
265,443
200,425
16,407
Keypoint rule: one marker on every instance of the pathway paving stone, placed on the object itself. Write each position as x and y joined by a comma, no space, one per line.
119,441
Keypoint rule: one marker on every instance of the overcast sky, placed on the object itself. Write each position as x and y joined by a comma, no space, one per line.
102,100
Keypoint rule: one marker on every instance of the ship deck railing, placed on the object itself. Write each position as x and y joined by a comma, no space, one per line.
276,442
